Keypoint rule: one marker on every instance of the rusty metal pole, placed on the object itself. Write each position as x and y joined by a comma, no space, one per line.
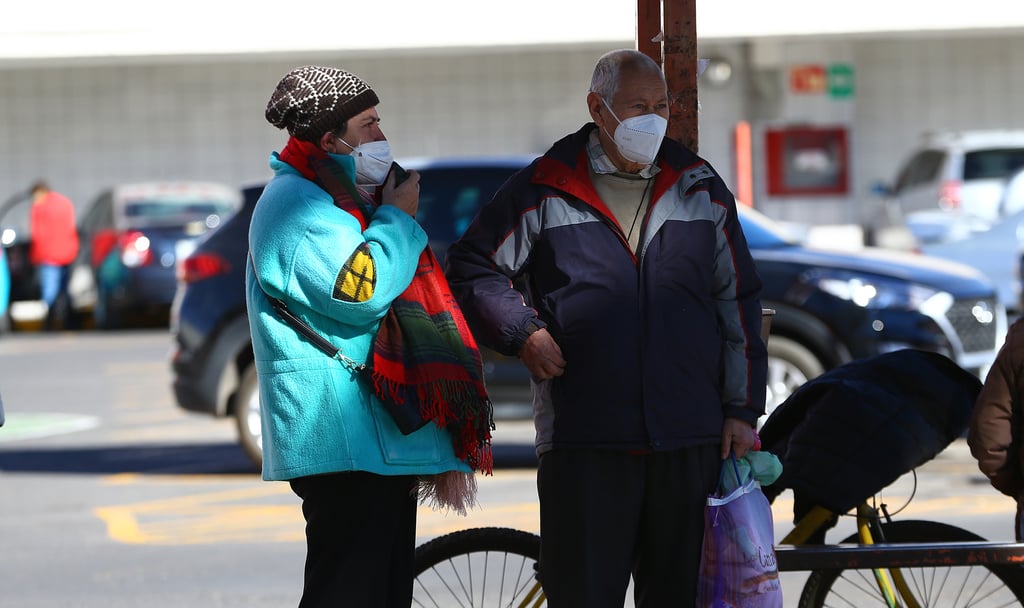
674,23
648,28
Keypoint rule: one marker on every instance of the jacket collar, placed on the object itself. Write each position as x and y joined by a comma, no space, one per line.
565,167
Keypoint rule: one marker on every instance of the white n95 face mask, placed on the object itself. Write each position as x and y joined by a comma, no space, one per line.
639,138
373,161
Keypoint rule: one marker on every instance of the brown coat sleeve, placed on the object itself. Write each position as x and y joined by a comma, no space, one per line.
995,428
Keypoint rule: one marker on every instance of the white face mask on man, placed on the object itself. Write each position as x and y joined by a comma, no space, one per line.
373,161
639,137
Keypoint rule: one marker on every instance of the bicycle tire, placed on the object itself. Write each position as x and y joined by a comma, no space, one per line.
483,567
949,587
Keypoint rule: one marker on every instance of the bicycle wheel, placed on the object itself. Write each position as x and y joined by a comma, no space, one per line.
945,586
478,568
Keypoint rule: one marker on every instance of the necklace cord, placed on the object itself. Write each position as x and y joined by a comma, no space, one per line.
639,206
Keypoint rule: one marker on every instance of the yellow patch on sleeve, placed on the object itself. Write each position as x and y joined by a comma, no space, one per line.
357,278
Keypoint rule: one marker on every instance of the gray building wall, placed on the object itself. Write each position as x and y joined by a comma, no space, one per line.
904,86
87,125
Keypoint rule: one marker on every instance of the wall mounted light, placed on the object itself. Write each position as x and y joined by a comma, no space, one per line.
715,71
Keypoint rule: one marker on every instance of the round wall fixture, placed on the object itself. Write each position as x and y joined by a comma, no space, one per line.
717,72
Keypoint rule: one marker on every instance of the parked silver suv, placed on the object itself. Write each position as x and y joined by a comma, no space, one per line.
956,177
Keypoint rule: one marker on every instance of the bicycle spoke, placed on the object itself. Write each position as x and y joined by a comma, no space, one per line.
476,579
969,586
942,587
864,587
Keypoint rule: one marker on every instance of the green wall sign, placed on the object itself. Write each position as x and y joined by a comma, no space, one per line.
840,80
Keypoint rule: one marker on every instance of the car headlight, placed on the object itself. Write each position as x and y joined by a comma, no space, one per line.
876,293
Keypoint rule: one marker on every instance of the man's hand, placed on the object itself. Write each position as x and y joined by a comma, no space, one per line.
737,436
406,196
542,356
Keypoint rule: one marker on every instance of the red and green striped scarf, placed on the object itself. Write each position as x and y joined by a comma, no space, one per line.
424,352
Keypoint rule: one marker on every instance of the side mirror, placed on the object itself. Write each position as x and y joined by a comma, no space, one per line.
881,189
7,237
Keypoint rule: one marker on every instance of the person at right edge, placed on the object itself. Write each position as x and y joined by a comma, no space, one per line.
994,434
615,267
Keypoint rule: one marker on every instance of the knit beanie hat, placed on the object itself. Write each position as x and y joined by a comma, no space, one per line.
312,100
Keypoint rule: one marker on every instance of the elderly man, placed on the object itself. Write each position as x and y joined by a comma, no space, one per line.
615,267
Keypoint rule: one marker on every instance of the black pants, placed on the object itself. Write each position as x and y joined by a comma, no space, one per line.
605,515
360,539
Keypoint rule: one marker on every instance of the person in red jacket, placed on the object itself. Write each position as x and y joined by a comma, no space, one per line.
54,242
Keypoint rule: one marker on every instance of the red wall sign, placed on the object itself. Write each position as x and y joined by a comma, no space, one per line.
807,160
808,79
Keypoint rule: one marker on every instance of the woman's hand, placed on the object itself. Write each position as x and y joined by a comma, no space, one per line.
405,196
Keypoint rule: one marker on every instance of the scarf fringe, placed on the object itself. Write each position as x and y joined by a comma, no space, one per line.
449,491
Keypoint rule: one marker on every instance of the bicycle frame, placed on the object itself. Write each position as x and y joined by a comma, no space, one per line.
904,563
890,581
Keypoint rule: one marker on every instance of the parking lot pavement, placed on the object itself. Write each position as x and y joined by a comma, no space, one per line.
513,431
955,459
513,439
512,443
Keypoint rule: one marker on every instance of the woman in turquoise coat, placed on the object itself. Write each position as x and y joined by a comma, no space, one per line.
336,240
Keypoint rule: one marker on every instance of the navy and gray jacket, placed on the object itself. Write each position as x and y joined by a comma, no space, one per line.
660,346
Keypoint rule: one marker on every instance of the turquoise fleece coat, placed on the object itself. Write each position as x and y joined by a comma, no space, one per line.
317,415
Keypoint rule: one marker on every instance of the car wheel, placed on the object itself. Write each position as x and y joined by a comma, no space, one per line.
790,365
247,416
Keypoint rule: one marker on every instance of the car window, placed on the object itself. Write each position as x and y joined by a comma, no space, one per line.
450,198
100,215
994,163
144,213
922,168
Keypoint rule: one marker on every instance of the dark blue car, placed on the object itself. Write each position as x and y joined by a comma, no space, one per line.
830,307
132,237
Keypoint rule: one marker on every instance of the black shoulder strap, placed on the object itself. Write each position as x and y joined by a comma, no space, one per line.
302,327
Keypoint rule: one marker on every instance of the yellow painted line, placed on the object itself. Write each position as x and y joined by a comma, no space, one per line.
211,525
269,512
522,516
209,498
943,507
205,518
197,479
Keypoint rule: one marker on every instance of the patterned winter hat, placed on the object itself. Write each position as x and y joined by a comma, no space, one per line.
311,100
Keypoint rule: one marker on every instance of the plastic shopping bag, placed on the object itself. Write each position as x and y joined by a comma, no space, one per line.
738,567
